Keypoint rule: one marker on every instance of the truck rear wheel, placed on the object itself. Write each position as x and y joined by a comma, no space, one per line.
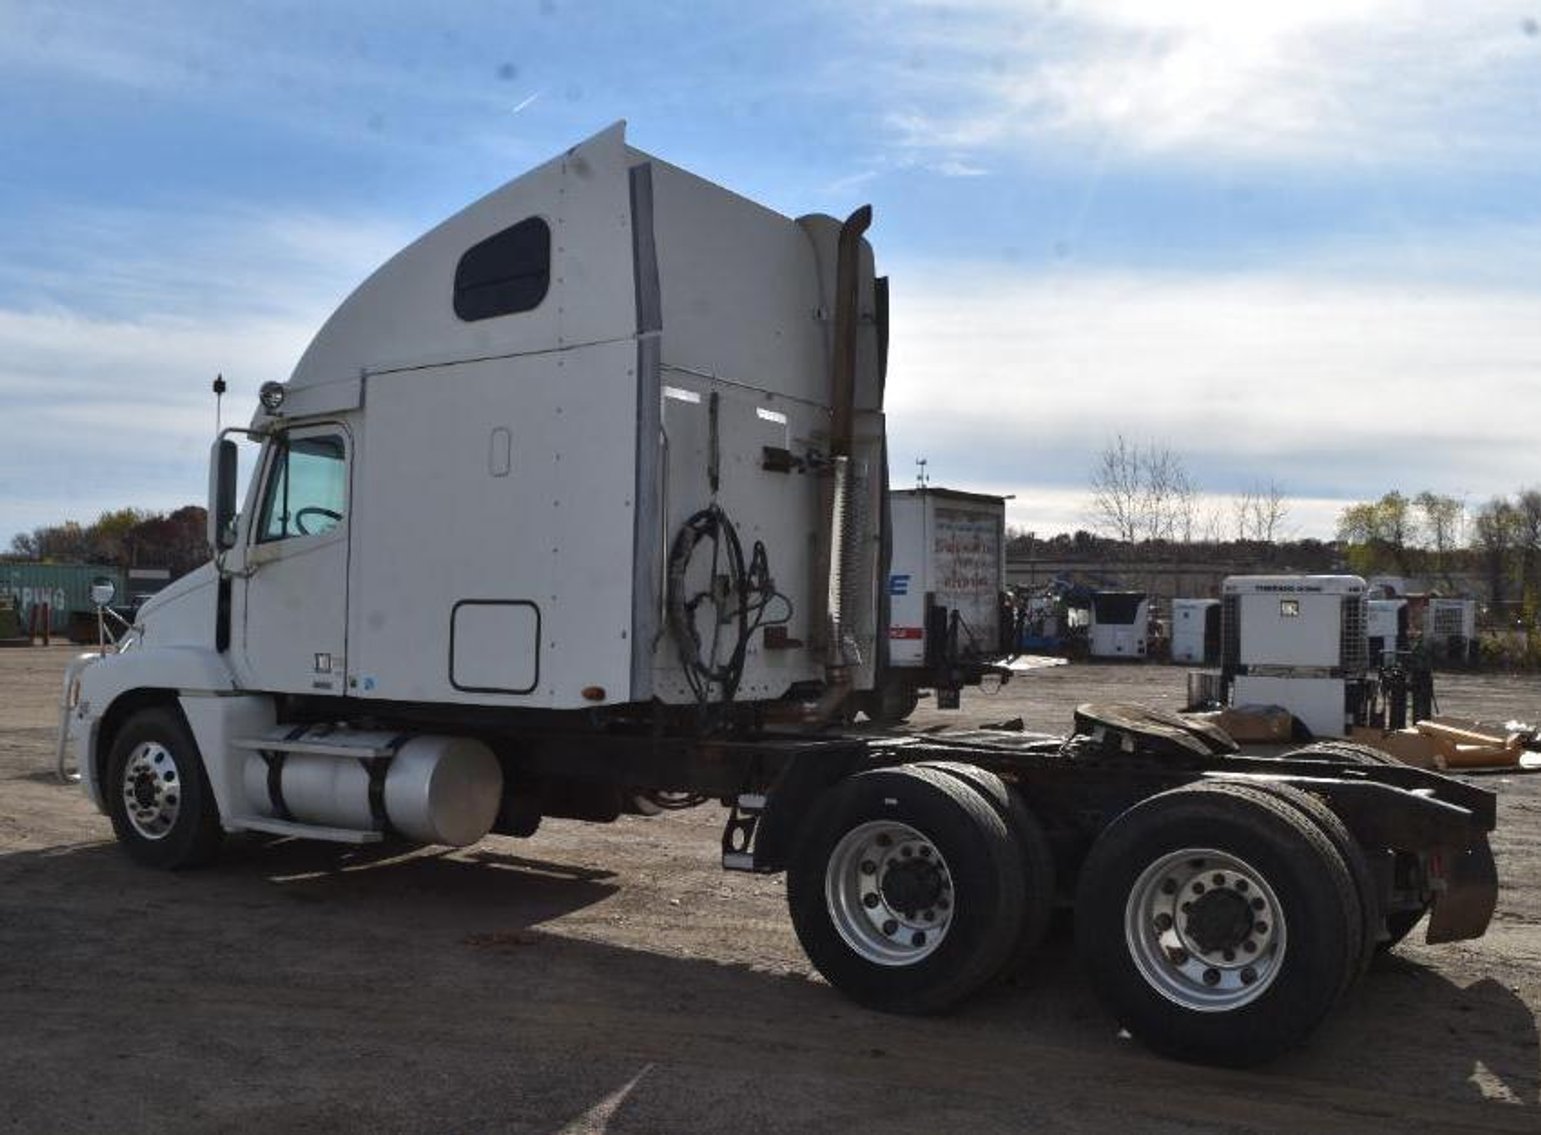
1344,752
1219,926
1032,844
157,794
1336,831
906,890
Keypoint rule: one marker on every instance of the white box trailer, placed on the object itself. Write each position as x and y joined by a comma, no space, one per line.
574,508
946,585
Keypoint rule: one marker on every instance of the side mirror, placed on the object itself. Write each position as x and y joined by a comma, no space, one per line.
222,471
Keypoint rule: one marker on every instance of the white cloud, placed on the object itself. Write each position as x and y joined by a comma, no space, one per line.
1355,80
106,360
1338,389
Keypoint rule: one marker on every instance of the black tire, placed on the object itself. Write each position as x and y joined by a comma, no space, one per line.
158,795
1262,935
860,904
1344,752
1037,854
1328,822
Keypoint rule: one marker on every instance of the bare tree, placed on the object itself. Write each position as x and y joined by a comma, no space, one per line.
1118,498
1260,513
1142,492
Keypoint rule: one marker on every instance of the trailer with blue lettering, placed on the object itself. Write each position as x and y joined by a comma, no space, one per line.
947,624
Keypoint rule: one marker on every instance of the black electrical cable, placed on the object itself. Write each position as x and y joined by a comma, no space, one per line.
743,598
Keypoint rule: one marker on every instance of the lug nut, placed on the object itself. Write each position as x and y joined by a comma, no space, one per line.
929,916
890,927
1248,976
1260,927
1229,955
918,938
868,867
1241,884
1198,888
906,851
1177,956
1169,887
1217,879
1163,922
870,901
1250,946
1258,904
925,853
1211,977
885,840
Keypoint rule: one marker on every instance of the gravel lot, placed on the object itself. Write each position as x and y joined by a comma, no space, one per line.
613,978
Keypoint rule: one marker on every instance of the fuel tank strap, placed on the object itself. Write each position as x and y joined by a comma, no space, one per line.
378,767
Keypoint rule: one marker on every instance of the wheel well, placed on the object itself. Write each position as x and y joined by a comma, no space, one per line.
119,713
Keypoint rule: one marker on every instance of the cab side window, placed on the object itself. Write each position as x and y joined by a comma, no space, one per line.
307,489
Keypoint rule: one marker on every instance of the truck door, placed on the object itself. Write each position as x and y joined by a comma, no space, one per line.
294,617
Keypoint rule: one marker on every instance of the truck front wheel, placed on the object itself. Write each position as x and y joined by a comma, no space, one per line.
906,890
158,796
1218,927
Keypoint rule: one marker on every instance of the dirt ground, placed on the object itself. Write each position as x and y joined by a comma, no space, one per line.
614,978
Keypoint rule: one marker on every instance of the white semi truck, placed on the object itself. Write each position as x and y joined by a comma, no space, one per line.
575,506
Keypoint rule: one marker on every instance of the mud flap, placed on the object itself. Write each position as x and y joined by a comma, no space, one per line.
1465,905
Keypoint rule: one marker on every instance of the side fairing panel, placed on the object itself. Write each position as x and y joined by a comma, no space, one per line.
495,508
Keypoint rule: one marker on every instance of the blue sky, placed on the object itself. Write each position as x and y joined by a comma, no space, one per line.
1298,245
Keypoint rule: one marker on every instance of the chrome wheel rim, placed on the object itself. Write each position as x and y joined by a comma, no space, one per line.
1205,930
152,790
889,893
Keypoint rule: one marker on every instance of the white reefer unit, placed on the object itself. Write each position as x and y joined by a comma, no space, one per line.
1386,628
1449,627
1296,641
1119,623
949,554
1195,630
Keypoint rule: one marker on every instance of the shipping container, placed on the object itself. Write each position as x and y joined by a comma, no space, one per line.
65,588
